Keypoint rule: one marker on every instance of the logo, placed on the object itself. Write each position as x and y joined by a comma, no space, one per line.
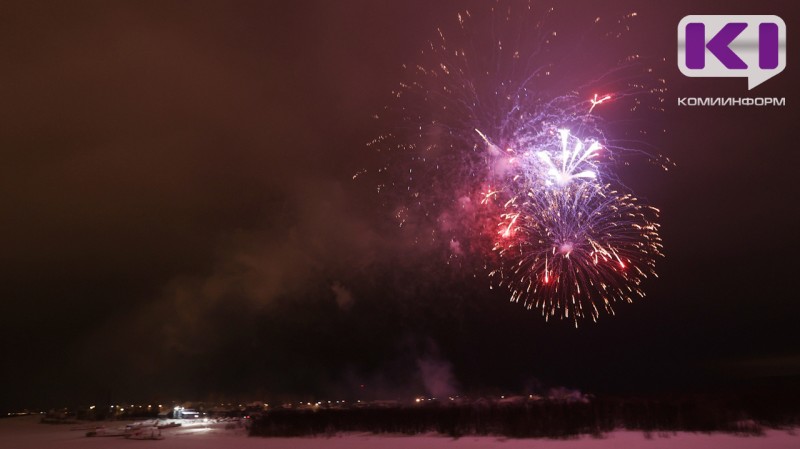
752,47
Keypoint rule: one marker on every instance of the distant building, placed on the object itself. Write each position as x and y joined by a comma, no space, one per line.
186,413
180,413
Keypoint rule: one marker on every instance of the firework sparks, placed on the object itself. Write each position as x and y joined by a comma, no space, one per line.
570,164
595,101
520,176
573,251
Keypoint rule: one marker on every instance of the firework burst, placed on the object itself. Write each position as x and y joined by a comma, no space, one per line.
498,156
576,250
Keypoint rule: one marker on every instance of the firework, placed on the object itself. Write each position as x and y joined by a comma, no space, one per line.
575,250
554,158
498,157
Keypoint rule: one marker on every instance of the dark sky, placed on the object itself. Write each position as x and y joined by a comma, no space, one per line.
179,218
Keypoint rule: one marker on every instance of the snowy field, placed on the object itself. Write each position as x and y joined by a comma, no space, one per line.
27,432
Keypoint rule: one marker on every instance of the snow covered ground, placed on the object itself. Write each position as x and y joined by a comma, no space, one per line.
28,433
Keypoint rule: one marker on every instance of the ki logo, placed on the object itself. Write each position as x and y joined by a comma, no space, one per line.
752,47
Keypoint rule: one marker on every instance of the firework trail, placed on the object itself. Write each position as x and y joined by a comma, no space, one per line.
498,156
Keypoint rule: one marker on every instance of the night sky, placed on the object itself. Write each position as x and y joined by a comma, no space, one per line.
179,218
